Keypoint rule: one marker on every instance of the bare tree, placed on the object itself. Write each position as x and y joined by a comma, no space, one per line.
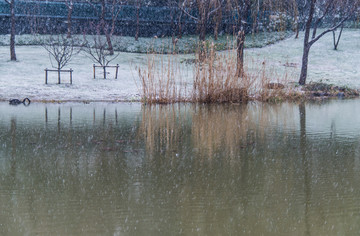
61,50
107,27
319,9
12,29
206,9
98,51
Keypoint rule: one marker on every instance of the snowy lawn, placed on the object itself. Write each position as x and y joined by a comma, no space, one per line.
26,77
339,67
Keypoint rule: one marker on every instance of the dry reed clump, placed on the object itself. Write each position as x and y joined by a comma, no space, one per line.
216,80
161,80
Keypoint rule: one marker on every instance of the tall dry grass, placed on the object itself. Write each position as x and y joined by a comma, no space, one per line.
161,79
215,79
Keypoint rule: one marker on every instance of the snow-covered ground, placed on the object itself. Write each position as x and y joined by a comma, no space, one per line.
26,77
340,67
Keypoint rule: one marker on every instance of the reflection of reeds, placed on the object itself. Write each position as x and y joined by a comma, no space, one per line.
219,128
162,126
210,129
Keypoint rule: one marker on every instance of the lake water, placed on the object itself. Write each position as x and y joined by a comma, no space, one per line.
128,169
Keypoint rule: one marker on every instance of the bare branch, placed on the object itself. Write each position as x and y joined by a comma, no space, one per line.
97,50
216,9
182,8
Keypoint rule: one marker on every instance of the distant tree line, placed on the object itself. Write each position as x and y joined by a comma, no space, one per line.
153,18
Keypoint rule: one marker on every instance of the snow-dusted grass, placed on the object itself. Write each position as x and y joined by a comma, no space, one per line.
339,67
26,77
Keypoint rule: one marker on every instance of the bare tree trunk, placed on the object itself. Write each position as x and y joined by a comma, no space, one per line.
172,27
217,19
104,68
202,37
59,81
314,31
137,20
216,29
180,26
337,41
202,31
305,58
12,31
304,66
202,25
105,27
240,53
69,19
296,18
109,42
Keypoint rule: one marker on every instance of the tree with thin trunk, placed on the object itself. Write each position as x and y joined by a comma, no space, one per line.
217,21
107,28
12,29
336,40
205,10
320,9
97,50
243,9
61,50
296,18
70,6
138,7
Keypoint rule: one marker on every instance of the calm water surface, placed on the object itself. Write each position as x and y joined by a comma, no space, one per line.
127,169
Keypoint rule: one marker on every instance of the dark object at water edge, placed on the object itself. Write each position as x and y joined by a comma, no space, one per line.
26,102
